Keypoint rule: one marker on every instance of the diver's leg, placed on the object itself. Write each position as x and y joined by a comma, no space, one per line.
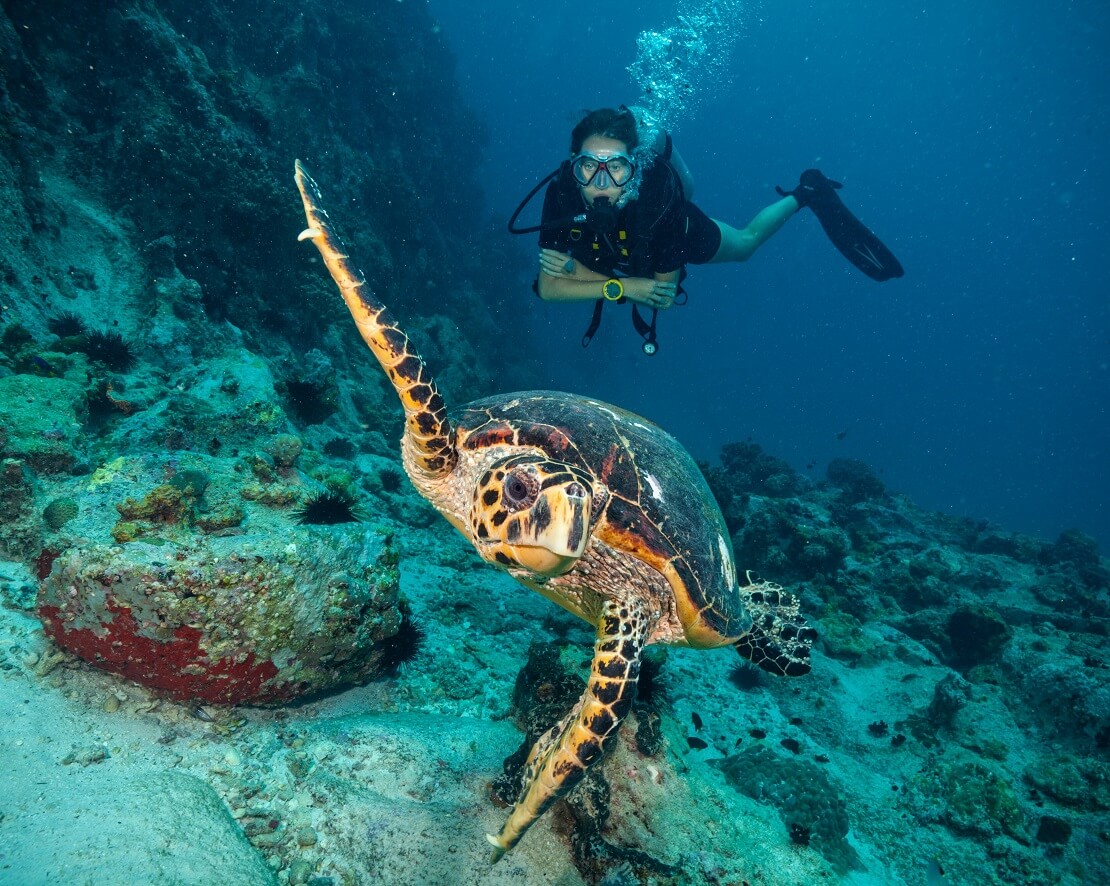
739,244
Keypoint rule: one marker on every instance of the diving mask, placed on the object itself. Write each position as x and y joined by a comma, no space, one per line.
602,171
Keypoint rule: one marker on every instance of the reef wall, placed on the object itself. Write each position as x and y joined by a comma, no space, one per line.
172,128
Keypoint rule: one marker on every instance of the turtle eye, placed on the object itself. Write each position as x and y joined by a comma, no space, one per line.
520,489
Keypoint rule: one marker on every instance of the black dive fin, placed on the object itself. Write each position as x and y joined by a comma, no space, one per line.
852,237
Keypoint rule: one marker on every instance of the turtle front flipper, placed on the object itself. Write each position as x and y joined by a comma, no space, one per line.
560,758
429,446
779,638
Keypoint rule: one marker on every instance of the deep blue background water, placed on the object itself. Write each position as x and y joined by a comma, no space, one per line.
971,137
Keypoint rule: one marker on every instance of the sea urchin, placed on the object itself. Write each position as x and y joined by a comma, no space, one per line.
66,324
109,348
329,507
403,646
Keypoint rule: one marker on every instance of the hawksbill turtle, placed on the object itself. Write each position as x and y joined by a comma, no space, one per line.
594,507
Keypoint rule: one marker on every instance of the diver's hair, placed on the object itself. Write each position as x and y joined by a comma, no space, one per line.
609,122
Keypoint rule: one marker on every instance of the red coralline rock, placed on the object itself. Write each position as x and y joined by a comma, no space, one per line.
235,620
178,665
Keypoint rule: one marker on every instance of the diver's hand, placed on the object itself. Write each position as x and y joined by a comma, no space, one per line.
650,293
556,264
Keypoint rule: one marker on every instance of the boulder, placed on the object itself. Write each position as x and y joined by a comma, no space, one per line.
229,620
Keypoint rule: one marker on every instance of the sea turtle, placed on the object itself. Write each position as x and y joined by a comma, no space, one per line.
596,508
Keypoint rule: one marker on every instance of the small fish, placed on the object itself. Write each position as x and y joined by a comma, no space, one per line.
696,743
44,365
842,434
696,720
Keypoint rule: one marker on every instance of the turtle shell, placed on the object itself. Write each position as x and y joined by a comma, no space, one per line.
659,508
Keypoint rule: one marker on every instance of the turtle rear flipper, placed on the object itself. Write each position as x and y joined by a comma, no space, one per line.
779,638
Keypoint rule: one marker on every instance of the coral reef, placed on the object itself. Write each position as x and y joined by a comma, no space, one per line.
976,634
1008,632
855,480
21,536
970,798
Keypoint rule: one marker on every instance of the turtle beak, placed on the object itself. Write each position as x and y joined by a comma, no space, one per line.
549,537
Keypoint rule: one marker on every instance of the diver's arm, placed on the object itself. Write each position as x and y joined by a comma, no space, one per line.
584,284
581,285
741,244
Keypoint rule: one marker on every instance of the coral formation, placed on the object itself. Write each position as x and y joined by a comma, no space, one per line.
1069,697
752,471
842,636
41,422
1075,551
806,799
1081,783
17,494
285,449
976,634
60,511
970,798
855,480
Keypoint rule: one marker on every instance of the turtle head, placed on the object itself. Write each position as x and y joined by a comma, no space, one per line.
533,513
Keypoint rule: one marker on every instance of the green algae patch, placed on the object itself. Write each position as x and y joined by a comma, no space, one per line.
972,799
41,422
843,637
1082,783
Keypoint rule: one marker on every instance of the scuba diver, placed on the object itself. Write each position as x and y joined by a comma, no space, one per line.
618,224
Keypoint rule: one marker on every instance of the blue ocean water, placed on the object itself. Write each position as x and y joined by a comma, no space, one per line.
971,138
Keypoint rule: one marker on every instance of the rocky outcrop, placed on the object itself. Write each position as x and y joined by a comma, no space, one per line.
229,620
